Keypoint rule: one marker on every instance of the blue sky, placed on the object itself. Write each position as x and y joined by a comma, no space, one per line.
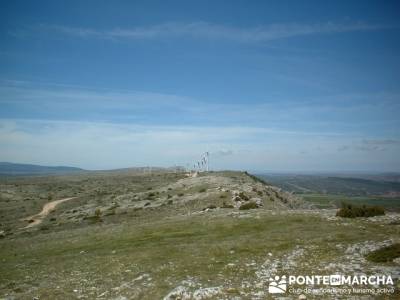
262,85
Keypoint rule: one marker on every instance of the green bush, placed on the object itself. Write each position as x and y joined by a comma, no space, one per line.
354,211
202,190
248,205
97,213
211,206
385,254
225,205
96,217
243,196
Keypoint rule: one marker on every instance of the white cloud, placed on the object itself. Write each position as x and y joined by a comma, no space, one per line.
372,145
274,136
223,152
214,31
301,117
104,145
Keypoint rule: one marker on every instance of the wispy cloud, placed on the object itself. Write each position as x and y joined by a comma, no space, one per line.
371,145
97,145
30,100
205,30
381,142
223,152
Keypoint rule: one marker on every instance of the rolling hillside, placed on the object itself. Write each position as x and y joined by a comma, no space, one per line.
12,169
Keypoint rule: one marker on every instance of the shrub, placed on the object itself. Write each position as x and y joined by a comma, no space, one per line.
202,190
225,205
277,195
385,254
259,193
97,213
180,194
243,196
212,206
222,196
169,196
353,211
248,205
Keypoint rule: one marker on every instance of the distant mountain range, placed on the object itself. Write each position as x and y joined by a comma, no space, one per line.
13,169
386,184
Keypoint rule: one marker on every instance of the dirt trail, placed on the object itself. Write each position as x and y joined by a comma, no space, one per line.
47,208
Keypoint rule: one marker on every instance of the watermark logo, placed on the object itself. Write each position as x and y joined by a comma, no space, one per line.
331,284
335,279
277,285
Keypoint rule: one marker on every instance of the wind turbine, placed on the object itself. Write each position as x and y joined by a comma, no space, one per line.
207,160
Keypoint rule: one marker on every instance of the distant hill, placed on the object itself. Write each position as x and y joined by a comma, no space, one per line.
303,184
13,169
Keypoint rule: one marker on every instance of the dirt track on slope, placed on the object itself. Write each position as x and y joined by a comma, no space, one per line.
47,208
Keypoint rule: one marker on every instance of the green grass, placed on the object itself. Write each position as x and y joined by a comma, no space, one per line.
106,257
169,250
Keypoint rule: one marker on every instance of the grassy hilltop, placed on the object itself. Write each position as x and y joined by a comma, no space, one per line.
135,235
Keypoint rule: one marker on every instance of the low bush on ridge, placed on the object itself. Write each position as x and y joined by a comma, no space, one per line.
385,254
248,205
354,211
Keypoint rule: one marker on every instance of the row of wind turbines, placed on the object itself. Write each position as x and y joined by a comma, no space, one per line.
202,165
